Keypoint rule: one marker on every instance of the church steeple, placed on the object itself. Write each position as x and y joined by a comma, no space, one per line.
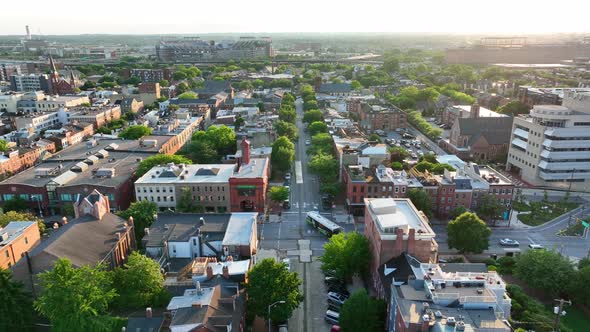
72,79
54,76
52,68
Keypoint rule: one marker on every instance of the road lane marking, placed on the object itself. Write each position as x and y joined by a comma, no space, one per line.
298,172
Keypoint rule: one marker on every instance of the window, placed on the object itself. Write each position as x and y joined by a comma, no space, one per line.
449,200
390,188
362,189
26,240
7,197
444,190
171,198
403,189
194,242
158,198
396,189
24,196
65,197
165,198
7,254
354,189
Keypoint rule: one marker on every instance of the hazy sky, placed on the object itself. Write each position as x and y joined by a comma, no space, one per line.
205,16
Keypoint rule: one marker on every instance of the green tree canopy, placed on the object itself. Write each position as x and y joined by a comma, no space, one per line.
164,83
76,299
313,116
222,138
374,138
398,154
391,64
578,287
188,95
287,114
397,166
347,254
9,216
268,275
159,159
468,233
324,165
278,193
421,200
545,270
202,152
135,132
286,129
283,154
143,213
363,313
317,127
321,143
139,283
3,145
181,88
514,108
16,309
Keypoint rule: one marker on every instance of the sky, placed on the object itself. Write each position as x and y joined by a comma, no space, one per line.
70,17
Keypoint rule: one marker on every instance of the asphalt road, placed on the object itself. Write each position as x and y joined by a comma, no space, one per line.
545,235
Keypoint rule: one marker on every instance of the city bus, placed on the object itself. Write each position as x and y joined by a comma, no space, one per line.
323,224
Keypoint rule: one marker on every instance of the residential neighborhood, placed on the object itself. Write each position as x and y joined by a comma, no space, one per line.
153,180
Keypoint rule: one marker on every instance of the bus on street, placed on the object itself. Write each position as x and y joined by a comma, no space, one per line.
322,224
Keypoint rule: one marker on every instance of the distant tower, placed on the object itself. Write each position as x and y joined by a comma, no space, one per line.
28,32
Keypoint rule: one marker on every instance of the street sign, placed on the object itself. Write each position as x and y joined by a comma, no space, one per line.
585,224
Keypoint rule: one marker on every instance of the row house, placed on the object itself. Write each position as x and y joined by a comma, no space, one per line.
22,158
375,117
98,116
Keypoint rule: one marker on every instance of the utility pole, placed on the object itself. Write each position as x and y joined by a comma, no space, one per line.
558,311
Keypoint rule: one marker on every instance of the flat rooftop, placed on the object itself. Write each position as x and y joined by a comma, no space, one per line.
14,229
490,174
483,112
392,213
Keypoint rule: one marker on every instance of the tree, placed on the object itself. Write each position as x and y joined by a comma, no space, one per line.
186,203
9,216
374,138
545,270
421,200
324,165
135,132
143,213
398,154
164,83
514,108
76,299
347,254
317,127
188,95
355,85
313,116
578,287
139,283
159,159
202,152
16,308
397,166
179,76
278,194
222,138
239,123
287,114
391,64
283,154
16,204
269,275
181,88
321,143
363,313
332,188
260,106
468,233
459,210
3,145
490,208
582,263
286,129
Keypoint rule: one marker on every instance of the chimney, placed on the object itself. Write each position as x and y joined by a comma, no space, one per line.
199,289
28,32
209,272
148,312
412,242
130,221
245,151
225,271
474,114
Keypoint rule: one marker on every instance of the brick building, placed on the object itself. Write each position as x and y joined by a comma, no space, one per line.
98,116
16,238
395,227
375,117
94,236
151,75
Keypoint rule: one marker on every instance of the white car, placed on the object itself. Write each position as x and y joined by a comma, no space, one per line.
536,246
307,142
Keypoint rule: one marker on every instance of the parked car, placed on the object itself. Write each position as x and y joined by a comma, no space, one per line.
286,204
509,243
331,279
341,289
337,297
288,176
334,308
307,142
536,246
332,317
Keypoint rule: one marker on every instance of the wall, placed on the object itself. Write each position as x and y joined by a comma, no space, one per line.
15,250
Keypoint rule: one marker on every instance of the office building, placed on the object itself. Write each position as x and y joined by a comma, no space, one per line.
192,49
30,82
550,146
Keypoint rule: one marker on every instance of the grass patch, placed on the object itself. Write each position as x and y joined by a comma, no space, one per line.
542,212
576,319
575,229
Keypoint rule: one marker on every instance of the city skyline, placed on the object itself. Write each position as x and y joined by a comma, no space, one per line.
264,16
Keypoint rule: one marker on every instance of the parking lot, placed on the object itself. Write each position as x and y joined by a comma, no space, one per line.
412,145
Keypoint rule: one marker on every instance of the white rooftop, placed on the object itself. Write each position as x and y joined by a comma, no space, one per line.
391,213
192,297
483,112
239,229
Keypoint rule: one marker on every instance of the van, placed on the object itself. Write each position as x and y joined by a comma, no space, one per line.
332,317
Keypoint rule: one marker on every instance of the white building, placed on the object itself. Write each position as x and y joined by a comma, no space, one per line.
8,102
551,145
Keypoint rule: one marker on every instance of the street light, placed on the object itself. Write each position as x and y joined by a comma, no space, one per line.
270,306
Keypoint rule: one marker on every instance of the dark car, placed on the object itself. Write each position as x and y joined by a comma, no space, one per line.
341,289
